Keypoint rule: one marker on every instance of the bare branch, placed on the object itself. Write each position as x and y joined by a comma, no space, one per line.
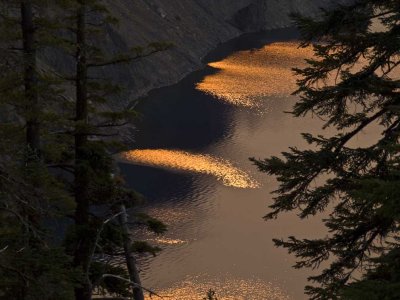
152,293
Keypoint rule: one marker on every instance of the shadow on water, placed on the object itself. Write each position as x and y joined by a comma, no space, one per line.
156,184
181,117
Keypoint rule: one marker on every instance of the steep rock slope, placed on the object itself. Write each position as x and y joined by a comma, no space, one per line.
194,27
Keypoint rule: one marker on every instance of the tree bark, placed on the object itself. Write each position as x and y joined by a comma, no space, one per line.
30,77
129,257
83,250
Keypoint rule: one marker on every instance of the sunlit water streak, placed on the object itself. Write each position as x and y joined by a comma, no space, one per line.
167,241
228,289
222,169
247,77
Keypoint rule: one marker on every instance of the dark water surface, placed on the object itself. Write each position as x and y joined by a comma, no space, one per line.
216,119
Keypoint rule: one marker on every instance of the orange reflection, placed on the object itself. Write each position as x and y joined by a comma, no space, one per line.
198,163
228,289
168,241
246,77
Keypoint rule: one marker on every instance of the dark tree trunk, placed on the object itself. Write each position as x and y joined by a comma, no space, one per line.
129,257
83,250
30,77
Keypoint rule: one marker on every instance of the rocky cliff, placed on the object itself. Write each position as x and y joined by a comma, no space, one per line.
194,27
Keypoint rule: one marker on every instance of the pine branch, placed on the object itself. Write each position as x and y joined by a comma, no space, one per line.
65,167
111,125
120,60
346,138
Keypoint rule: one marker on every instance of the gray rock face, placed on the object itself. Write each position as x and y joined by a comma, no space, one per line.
271,14
194,27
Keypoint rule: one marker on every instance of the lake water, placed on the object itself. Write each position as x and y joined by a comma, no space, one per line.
191,161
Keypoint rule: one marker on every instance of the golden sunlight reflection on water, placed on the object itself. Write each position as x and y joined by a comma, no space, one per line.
222,169
167,241
228,289
247,77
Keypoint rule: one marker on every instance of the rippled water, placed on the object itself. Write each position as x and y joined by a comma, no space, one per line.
228,289
191,163
246,78
195,163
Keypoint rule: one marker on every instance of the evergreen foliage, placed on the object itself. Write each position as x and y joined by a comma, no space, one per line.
31,265
56,164
351,84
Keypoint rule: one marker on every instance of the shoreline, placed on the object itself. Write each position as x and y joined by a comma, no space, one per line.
223,50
